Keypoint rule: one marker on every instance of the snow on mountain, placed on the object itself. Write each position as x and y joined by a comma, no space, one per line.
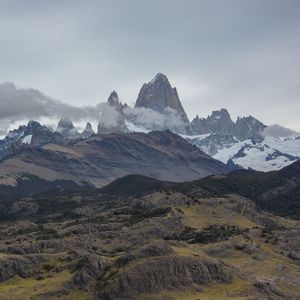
33,134
260,156
212,143
287,145
27,139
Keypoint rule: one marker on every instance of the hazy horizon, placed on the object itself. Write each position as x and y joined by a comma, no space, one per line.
238,55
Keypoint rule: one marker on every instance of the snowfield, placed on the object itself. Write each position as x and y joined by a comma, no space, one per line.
271,154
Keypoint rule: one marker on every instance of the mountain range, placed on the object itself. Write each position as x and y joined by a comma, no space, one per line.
99,159
124,144
149,206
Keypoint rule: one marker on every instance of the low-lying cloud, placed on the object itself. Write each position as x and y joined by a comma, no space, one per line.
17,104
277,130
153,120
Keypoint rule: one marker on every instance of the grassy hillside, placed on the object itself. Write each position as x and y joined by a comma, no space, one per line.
140,238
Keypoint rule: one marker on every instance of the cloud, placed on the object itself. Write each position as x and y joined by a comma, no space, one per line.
246,61
109,117
29,103
153,120
277,130
19,104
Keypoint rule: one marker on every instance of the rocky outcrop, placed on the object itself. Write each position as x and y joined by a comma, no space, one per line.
218,122
249,127
90,266
32,134
113,100
17,265
165,273
271,291
88,131
159,96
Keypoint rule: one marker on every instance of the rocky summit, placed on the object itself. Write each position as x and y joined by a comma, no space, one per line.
159,95
220,122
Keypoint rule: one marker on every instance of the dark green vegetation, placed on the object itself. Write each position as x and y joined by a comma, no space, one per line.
210,234
140,238
277,191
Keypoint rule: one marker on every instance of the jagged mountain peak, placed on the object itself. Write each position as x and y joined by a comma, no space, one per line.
159,95
113,99
249,127
158,78
88,131
33,123
218,122
222,113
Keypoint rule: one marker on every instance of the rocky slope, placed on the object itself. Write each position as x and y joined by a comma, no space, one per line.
166,241
31,134
100,159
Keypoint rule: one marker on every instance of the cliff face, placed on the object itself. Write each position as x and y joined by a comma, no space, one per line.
218,122
160,96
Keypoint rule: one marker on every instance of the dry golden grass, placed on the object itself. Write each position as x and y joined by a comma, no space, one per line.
24,289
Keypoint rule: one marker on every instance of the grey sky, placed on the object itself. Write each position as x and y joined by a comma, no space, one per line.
238,54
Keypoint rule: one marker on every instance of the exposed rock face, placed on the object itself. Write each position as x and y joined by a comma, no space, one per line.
17,265
89,266
249,127
66,128
271,291
113,100
31,134
219,122
166,273
88,131
159,96
218,132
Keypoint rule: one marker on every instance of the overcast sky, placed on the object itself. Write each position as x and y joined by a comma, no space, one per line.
238,54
